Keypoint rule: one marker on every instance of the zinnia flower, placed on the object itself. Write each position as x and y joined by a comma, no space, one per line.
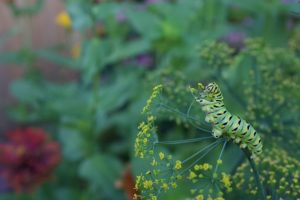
27,159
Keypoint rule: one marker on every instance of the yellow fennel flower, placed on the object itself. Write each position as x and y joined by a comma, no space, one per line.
161,155
178,164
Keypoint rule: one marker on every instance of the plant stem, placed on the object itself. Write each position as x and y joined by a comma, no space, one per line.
220,156
207,148
200,151
256,174
192,140
170,109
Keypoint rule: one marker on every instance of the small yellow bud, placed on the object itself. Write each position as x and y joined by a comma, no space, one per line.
161,155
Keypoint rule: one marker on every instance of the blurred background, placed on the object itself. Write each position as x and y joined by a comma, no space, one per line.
75,75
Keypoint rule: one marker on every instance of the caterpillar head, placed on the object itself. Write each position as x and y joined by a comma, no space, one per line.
211,92
212,88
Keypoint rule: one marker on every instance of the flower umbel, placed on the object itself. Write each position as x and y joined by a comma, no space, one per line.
166,173
145,139
155,92
280,175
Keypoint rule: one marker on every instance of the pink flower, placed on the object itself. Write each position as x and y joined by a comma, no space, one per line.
145,60
28,158
235,40
121,17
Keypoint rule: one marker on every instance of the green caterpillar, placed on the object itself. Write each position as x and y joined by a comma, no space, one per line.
226,124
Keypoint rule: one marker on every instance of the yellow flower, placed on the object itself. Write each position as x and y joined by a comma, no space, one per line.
178,164
63,19
192,175
141,125
135,197
219,162
156,90
145,129
148,172
219,198
174,185
161,155
165,186
138,182
151,118
205,166
226,181
148,184
154,198
145,140
200,197
154,162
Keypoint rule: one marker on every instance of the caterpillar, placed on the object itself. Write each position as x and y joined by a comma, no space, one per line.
226,124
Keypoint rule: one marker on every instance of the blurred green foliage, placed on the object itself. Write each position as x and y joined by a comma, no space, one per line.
95,116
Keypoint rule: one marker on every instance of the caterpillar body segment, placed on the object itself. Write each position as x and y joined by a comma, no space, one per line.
226,124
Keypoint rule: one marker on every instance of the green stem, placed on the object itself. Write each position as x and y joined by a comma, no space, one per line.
175,142
200,151
220,156
207,149
170,109
256,174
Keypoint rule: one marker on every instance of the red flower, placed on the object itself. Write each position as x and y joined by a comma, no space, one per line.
28,158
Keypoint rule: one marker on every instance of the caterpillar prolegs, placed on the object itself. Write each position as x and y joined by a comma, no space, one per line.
226,124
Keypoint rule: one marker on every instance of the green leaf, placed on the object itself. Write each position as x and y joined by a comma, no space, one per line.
75,146
57,58
81,15
25,91
102,171
94,58
129,49
16,197
145,23
105,10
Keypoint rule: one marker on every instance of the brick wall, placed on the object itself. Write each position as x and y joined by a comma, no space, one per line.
43,32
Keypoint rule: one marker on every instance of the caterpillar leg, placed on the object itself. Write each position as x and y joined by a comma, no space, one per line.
209,118
216,132
237,140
